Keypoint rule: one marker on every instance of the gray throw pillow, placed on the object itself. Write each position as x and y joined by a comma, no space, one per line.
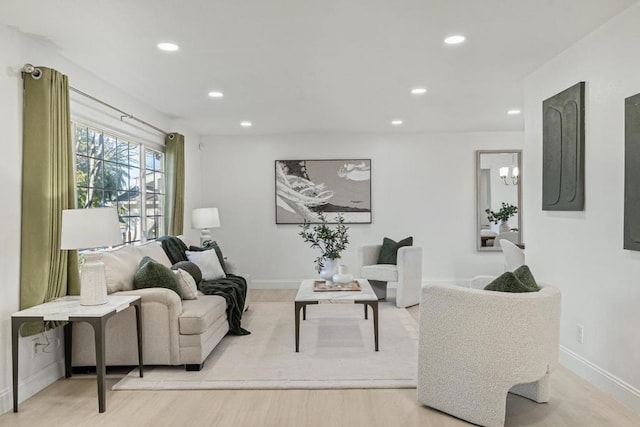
526,277
389,251
508,282
190,268
152,274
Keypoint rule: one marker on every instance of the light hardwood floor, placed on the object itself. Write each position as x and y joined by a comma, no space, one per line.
73,402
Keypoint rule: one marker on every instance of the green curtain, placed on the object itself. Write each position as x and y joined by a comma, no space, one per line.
48,187
174,170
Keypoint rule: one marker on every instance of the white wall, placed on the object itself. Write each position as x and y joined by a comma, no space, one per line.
581,252
423,185
17,49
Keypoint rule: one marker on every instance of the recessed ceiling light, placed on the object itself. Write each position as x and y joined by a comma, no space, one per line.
513,112
396,122
216,94
418,90
456,39
246,124
168,47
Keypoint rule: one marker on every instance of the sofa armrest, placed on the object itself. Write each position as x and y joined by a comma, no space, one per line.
231,267
368,254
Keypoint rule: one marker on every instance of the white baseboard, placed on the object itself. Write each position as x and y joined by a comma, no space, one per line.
32,385
618,389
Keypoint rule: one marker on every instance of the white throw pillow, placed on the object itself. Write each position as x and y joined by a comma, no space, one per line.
187,284
208,263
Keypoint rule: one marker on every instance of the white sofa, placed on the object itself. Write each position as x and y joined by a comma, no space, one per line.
175,331
475,346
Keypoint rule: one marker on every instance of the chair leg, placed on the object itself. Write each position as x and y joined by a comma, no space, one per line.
380,289
538,391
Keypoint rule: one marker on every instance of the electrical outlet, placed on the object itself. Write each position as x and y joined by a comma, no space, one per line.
37,346
579,333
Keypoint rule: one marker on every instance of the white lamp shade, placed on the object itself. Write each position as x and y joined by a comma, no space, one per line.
90,228
504,172
204,218
516,171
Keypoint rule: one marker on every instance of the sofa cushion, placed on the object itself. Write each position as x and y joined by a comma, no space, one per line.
199,314
154,251
208,263
152,274
187,284
190,268
526,277
389,251
382,272
120,265
508,282
211,244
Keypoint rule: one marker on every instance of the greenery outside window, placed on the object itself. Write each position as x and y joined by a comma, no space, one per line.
112,171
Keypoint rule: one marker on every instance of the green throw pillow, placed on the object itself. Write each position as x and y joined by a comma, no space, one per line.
389,251
211,245
524,275
190,268
507,282
152,274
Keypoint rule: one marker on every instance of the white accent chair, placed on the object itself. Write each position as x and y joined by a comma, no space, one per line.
476,346
407,274
513,255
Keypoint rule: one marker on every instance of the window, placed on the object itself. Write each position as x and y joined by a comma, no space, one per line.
115,172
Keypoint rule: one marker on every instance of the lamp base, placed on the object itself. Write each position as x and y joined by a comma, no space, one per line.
93,283
205,235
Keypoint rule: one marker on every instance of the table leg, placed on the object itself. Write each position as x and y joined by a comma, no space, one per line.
374,309
298,306
304,312
68,332
138,308
366,311
99,333
15,332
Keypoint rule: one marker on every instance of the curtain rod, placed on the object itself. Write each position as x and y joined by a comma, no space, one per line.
36,73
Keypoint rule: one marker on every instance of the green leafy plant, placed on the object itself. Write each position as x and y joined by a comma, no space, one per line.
506,211
330,241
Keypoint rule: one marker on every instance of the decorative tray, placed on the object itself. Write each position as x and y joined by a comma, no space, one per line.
327,286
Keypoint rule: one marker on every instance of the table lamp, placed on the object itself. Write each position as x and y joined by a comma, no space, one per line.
89,229
204,219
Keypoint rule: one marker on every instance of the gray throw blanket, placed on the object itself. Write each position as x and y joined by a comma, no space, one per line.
232,288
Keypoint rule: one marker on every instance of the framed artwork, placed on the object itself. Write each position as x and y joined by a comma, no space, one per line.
307,188
563,150
632,173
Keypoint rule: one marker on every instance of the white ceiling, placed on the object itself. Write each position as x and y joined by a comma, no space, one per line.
317,65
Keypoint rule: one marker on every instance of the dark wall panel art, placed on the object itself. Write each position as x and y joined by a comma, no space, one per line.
563,150
632,173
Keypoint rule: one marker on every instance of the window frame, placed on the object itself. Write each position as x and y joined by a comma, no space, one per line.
143,147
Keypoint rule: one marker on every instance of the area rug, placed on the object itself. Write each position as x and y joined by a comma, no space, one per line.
336,351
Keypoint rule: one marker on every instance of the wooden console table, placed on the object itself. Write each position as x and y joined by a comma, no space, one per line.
68,309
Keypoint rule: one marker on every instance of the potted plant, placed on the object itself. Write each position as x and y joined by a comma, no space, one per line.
330,241
506,211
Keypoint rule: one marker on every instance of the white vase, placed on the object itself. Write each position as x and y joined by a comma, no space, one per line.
342,276
504,227
329,268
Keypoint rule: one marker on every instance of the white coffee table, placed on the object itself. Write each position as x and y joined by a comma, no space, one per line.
306,296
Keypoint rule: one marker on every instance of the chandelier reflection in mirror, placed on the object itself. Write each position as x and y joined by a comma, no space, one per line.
510,175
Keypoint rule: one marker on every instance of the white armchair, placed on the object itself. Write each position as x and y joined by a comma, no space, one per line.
407,274
475,346
513,255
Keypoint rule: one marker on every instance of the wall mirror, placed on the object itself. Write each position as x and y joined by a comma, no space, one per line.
498,198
